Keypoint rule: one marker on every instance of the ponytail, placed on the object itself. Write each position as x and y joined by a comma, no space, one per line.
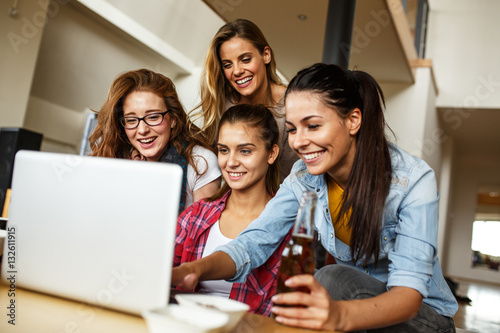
369,180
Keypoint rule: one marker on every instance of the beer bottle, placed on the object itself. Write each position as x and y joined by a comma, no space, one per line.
298,255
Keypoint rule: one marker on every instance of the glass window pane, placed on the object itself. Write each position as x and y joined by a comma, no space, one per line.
485,237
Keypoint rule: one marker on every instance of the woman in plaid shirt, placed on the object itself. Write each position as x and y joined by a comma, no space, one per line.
247,148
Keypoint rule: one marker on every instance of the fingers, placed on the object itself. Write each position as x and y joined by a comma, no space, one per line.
317,295
184,277
301,299
304,280
310,317
176,277
302,323
190,281
306,310
292,298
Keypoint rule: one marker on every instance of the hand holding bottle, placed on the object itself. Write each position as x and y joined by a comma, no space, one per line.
313,309
298,255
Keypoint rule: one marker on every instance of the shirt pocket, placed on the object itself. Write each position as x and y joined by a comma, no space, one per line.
387,237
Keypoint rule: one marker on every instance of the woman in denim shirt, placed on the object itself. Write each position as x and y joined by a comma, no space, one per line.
377,215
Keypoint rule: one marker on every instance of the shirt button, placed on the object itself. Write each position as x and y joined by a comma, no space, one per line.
385,237
366,271
327,210
331,235
317,190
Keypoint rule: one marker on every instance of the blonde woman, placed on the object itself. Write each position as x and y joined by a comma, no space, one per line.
240,68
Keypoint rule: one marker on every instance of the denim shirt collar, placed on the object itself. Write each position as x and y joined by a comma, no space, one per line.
322,218
312,181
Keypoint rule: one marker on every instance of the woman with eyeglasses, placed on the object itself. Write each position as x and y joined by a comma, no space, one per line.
143,119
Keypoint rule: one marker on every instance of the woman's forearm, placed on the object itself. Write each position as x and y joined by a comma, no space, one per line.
217,266
319,311
392,307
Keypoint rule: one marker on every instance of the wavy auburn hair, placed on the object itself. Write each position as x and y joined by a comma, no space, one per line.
109,138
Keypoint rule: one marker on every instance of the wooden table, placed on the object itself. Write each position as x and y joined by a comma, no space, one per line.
40,313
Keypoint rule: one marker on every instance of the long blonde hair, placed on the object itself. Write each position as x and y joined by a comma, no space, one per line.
215,89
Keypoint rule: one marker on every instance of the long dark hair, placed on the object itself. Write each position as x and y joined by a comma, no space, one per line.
260,118
370,177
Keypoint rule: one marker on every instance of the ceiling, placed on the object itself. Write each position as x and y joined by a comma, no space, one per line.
380,46
383,47
296,35
475,131
489,199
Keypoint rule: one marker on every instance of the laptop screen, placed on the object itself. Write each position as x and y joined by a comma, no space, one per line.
96,230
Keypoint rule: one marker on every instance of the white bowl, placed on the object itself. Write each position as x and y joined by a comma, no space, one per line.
185,319
234,309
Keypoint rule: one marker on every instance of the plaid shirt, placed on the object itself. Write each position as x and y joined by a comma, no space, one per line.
193,228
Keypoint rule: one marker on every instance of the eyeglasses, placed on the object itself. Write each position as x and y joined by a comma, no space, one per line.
152,119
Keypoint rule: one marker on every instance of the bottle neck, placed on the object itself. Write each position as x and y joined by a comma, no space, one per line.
304,221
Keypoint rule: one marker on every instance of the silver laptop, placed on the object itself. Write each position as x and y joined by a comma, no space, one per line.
96,230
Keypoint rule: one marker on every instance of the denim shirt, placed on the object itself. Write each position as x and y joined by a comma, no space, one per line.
408,239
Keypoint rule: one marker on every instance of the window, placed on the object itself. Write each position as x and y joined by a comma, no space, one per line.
486,244
485,237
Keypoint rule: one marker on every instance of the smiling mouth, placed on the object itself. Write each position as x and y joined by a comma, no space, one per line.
311,156
235,174
244,80
147,141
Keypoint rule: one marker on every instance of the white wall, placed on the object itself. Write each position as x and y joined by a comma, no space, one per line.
405,119
445,193
434,135
471,172
188,88
86,44
80,56
49,118
412,115
188,25
19,45
463,43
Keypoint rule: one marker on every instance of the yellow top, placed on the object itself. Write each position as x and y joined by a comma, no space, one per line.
335,193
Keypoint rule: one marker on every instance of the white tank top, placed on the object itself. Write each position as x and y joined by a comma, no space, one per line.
215,287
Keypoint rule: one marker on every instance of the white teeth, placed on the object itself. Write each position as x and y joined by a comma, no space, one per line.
243,81
312,155
147,140
236,174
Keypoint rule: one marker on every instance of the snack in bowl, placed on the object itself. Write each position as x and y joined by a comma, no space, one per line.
234,309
